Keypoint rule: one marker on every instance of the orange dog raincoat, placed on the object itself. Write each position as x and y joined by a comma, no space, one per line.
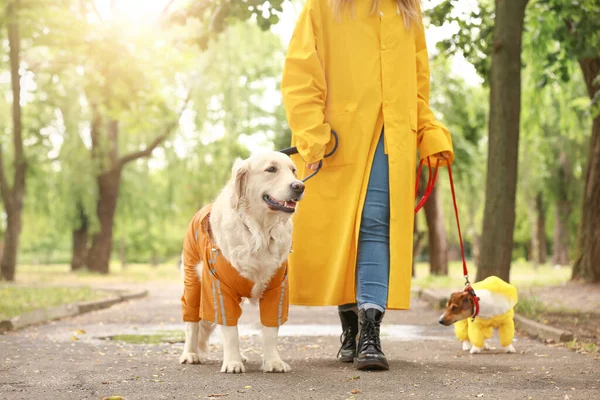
218,295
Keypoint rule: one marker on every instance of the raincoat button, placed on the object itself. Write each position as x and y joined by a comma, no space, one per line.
381,13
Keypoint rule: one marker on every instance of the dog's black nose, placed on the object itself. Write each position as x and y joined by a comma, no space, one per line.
297,187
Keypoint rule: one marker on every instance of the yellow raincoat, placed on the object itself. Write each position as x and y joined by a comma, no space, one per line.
482,328
354,76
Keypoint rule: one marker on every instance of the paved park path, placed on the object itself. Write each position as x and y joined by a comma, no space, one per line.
72,359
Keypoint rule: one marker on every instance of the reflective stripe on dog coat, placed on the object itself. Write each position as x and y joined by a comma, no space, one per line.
219,296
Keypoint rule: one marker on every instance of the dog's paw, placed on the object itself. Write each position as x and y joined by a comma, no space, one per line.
275,366
189,358
509,349
475,350
466,345
233,367
487,345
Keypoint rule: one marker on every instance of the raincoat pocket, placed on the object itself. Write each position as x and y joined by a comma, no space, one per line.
343,120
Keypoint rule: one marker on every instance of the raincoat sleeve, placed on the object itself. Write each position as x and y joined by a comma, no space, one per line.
432,136
304,88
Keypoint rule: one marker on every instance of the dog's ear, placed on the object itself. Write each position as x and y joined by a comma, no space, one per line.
467,302
239,177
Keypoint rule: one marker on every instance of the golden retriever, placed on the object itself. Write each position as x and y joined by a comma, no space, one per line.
250,224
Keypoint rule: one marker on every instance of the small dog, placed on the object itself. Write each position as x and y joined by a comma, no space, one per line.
496,310
237,248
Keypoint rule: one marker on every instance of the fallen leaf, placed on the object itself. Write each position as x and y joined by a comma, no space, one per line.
248,387
480,395
80,332
74,338
113,398
355,391
356,377
218,395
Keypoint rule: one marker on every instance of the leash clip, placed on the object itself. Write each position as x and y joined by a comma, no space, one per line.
469,289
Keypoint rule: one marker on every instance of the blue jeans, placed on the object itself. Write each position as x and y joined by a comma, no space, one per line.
373,259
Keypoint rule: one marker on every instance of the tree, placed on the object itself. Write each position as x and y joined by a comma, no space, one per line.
501,183
461,107
476,40
577,36
436,229
13,197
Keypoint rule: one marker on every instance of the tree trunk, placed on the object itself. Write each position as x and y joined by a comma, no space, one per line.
438,244
80,242
123,253
100,252
539,246
417,243
13,197
503,145
154,258
542,254
560,253
534,243
11,245
587,267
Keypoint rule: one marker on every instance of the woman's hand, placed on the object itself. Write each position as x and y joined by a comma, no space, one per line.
313,166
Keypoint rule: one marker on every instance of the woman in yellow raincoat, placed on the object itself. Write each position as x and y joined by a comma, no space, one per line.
355,66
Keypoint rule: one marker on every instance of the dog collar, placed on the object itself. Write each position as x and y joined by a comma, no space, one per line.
469,289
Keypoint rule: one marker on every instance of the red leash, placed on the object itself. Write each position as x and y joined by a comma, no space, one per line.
429,188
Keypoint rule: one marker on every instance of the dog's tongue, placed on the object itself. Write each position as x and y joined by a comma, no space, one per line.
290,204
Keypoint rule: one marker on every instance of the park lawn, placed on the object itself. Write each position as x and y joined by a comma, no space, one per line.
16,299
522,274
585,325
49,274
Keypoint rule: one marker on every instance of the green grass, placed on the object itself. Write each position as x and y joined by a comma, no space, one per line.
522,275
153,338
16,300
585,347
61,274
530,307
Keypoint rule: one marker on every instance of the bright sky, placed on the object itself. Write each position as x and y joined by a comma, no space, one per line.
139,12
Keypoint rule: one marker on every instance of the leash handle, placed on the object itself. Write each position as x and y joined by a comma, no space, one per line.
430,183
294,150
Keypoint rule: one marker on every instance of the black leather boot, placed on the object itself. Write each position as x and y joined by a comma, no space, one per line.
349,320
369,355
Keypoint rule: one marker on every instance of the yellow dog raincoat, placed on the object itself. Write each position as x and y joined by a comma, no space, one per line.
481,328
218,295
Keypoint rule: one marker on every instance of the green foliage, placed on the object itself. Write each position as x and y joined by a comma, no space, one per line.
571,29
473,33
78,56
211,17
463,108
